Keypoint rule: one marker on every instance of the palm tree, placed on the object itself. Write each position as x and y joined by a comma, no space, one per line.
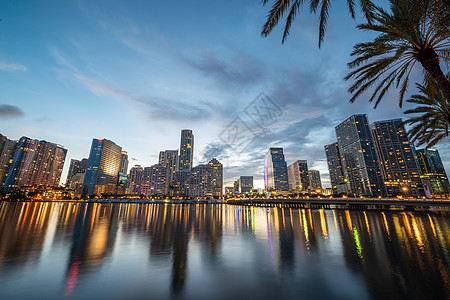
292,7
414,31
432,125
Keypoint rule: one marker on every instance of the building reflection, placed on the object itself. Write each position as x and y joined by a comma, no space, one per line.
22,232
398,254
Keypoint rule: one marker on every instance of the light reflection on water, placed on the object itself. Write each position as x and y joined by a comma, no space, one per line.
116,251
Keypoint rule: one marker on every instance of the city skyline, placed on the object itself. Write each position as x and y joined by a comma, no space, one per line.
111,72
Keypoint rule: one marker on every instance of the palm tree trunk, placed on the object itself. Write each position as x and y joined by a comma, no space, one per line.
430,62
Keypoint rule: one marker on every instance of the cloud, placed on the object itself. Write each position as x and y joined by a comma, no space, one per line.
12,67
10,111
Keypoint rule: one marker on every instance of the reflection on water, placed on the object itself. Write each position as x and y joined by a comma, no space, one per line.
202,251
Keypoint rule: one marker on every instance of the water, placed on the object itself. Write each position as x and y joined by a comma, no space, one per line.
160,251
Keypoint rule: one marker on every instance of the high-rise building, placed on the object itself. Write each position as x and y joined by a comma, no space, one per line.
298,175
275,170
35,163
335,168
154,181
396,158
76,167
359,158
245,184
229,191
200,183
433,172
216,178
134,180
103,168
314,180
186,150
7,148
236,186
123,167
181,183
169,159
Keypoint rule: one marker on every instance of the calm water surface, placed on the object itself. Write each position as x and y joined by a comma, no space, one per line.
160,251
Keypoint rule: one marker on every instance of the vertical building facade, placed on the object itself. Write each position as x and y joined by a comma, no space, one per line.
135,180
359,158
123,167
335,168
7,149
314,180
236,186
200,183
275,170
103,168
154,181
396,158
76,167
186,150
181,183
245,184
298,175
169,159
35,163
216,178
433,172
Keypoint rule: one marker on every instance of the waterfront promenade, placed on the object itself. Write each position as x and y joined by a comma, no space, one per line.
350,203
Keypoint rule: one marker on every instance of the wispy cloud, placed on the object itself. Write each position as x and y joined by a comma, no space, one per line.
12,67
10,111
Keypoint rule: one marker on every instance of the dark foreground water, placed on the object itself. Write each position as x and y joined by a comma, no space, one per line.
158,251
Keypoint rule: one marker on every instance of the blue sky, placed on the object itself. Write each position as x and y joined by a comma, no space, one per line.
137,72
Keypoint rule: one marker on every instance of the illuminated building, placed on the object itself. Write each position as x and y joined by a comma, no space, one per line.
181,183
103,168
135,180
236,185
314,180
200,182
396,158
245,184
169,159
229,191
186,150
433,172
275,170
335,168
359,158
298,175
35,163
7,148
154,180
76,167
216,178
123,167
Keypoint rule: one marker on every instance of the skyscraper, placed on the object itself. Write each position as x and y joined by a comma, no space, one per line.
186,149
169,159
359,158
76,167
103,168
200,182
7,148
154,181
135,180
236,186
298,175
335,168
314,180
123,167
245,184
433,172
35,163
275,170
396,157
216,178
181,183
